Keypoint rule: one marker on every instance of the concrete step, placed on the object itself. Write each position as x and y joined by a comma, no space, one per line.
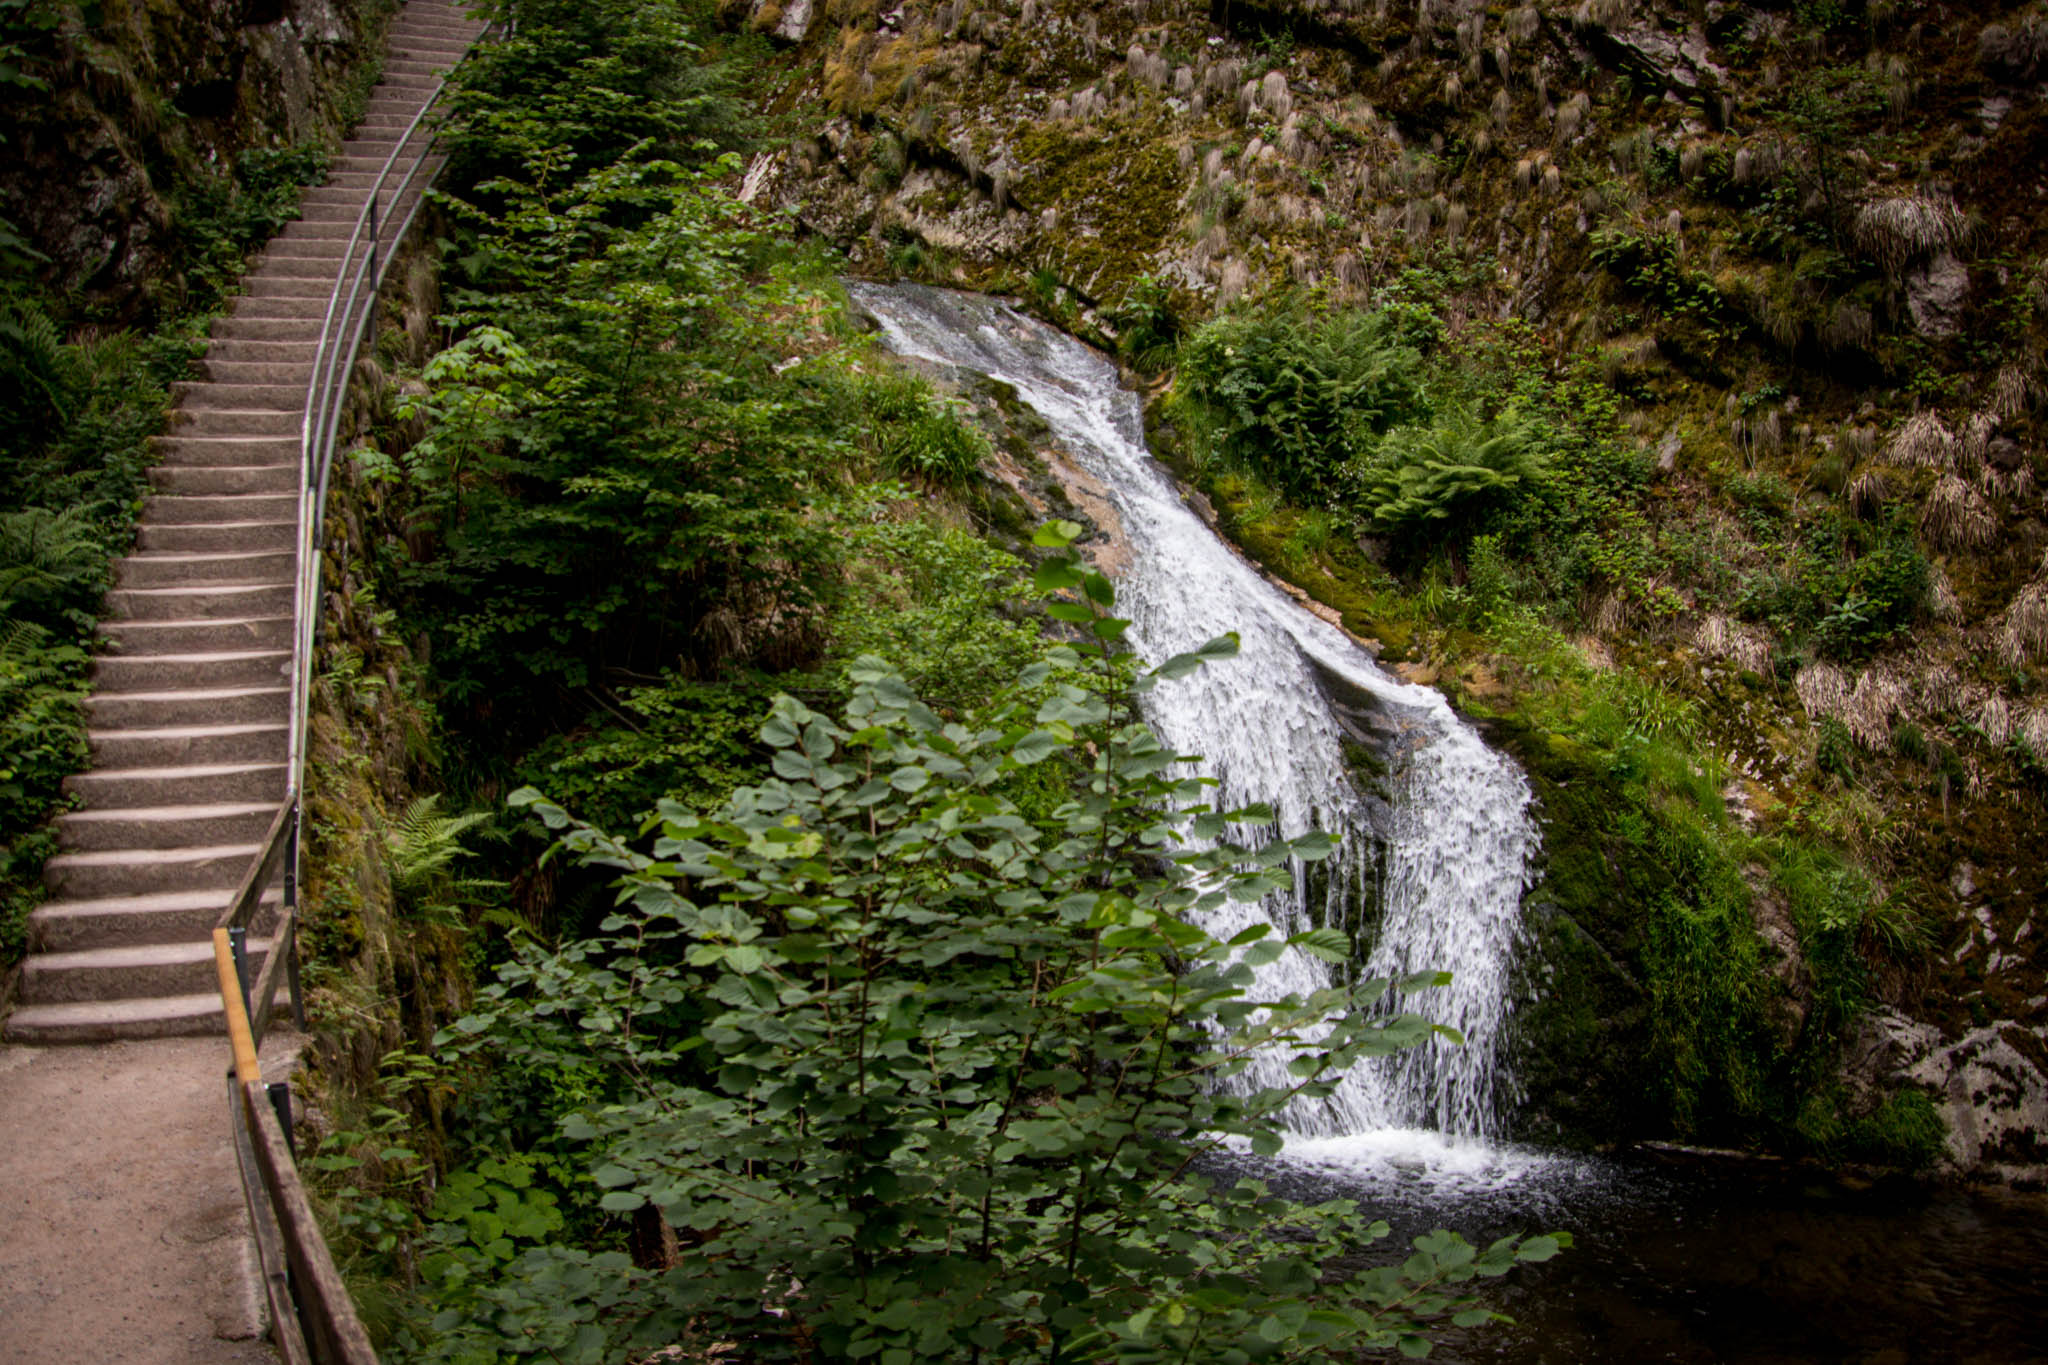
347,198
190,744
258,352
164,569
147,871
277,308
244,369
221,635
410,29
239,421
201,602
239,327
369,154
337,230
114,674
125,921
120,921
102,1021
204,602
218,480
226,450
227,537
320,269
269,286
360,181
286,397
422,82
190,706
163,827
416,65
200,509
128,971
194,783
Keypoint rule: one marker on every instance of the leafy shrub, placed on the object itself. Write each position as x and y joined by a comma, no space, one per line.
679,739
222,217
1445,477
585,82
42,739
1148,330
935,603
924,1079
1290,392
53,565
914,433
1881,599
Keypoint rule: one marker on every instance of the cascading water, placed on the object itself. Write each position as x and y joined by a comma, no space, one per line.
1445,860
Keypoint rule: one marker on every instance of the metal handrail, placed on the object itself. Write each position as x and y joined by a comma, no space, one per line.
351,305
312,1315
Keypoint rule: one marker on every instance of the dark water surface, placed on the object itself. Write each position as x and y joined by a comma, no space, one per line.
1700,1262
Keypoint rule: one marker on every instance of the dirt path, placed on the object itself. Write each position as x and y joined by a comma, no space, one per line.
123,1235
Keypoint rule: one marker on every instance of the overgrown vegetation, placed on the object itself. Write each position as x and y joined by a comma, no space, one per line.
918,1070
1507,510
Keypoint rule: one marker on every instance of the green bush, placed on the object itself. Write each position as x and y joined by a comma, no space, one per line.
1290,392
1148,329
913,433
923,1080
1445,478
936,603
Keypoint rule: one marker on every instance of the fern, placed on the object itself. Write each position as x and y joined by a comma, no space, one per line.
38,373
424,843
50,561
1436,475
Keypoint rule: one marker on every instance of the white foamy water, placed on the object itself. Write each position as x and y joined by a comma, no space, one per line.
1448,866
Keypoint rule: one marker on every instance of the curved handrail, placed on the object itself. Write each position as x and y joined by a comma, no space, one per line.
313,1319
357,278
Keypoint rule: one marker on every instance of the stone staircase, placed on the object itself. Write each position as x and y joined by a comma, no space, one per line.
189,709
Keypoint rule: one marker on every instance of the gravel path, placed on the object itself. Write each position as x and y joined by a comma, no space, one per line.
123,1236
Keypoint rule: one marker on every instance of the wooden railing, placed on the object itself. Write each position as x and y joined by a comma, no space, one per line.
312,1318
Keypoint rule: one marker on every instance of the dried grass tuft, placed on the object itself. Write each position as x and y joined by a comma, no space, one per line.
1849,327
1868,493
1957,517
1940,691
1923,441
1942,602
1976,438
2032,725
1881,694
1993,719
1747,647
2022,633
1902,229
2013,391
1823,689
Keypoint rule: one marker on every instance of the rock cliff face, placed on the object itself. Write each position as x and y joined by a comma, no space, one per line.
145,97
1802,244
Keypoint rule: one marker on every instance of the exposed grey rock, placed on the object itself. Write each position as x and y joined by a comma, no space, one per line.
1935,294
1668,450
1989,1088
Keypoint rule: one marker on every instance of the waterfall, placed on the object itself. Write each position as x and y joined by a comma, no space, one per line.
1441,854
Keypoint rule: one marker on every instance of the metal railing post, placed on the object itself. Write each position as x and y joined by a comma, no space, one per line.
290,947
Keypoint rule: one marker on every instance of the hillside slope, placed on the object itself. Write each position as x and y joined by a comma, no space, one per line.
1798,250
